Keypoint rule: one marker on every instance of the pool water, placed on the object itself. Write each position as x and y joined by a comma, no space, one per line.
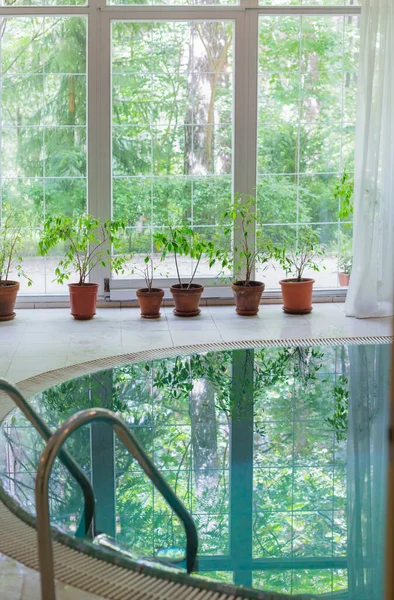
279,454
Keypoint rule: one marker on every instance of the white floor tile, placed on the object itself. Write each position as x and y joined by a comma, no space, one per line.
192,336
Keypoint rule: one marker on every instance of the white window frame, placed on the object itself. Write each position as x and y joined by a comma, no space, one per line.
99,144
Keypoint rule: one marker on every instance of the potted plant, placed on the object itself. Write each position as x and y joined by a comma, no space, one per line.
183,241
88,242
11,237
246,255
345,268
149,297
297,290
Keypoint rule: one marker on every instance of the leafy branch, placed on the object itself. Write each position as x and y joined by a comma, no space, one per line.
344,194
88,243
147,271
183,241
12,234
305,254
246,253
339,419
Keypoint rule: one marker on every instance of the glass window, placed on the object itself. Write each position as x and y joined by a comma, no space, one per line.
172,102
43,127
190,3
306,122
309,2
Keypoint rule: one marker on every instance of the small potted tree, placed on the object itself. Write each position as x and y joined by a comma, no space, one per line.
345,268
183,241
149,298
88,242
305,253
12,233
246,255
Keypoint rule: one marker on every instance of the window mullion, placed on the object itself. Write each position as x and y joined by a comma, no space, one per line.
245,114
99,126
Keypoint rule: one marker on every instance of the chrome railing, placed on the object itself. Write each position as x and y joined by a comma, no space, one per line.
86,526
52,449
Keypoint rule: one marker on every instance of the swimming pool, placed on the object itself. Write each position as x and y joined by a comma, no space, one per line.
278,453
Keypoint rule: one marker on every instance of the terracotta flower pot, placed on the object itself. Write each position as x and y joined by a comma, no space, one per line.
186,299
8,292
297,296
150,302
344,279
83,300
247,297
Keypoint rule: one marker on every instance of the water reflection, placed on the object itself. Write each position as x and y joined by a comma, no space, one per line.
278,453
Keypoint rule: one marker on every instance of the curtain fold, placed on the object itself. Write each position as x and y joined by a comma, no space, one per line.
372,281
367,464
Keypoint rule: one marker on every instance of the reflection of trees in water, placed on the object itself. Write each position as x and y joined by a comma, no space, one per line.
204,436
183,412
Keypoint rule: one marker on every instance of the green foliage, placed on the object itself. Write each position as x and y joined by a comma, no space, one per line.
12,233
303,364
88,243
345,264
183,241
339,419
305,253
245,254
147,271
298,454
172,158
344,195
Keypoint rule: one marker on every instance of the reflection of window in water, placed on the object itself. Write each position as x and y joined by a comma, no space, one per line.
278,453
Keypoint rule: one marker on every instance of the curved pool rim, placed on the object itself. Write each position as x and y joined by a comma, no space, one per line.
93,569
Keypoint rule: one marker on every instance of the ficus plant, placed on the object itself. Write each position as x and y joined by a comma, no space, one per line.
183,241
88,243
12,234
305,253
247,253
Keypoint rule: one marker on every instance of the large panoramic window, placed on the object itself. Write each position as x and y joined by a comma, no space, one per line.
43,127
172,101
184,111
306,123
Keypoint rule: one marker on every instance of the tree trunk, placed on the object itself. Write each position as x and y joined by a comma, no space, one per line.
204,437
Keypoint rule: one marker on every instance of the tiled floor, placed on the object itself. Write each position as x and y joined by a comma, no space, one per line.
41,340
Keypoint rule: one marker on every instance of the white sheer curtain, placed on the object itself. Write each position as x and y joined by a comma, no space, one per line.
372,283
367,456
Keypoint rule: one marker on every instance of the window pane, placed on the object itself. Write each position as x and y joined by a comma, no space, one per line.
306,124
173,2
310,2
172,91
43,128
43,2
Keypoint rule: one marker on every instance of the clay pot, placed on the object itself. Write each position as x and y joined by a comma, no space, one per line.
344,279
297,296
150,302
247,297
83,300
186,299
8,292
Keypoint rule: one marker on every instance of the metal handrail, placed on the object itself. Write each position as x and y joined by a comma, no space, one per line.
52,448
86,526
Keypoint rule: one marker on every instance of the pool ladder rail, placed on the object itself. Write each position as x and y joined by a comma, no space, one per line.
86,526
53,449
